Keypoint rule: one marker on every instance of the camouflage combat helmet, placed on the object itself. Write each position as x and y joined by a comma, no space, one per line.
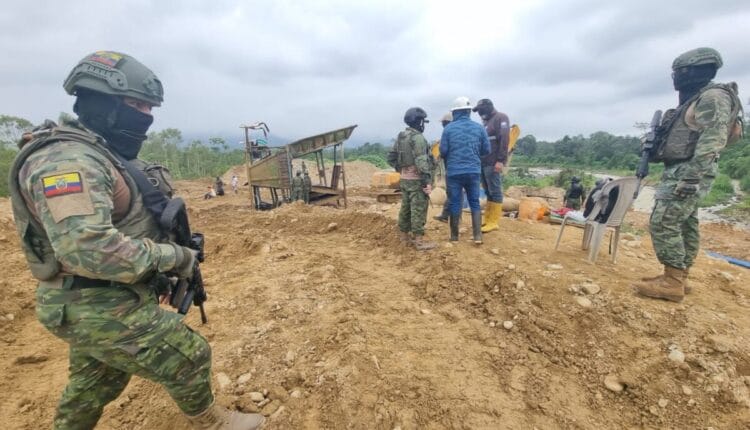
115,74
697,57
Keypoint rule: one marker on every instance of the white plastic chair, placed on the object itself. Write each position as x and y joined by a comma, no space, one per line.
593,232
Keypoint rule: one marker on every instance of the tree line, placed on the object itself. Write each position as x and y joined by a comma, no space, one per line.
196,159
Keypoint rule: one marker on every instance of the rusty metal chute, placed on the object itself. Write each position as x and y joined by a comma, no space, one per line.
270,176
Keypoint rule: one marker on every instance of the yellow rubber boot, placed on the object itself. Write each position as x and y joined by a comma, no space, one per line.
494,212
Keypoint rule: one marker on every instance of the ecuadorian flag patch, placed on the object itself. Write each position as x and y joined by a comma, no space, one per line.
60,185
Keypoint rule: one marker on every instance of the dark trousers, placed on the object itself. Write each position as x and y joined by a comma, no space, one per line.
468,182
492,182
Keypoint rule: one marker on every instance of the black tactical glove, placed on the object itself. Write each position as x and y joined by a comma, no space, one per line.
686,188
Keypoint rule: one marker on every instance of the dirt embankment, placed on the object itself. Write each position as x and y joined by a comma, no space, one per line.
348,329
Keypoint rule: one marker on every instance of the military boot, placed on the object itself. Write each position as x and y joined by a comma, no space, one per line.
688,287
219,418
455,220
670,286
405,238
423,245
476,226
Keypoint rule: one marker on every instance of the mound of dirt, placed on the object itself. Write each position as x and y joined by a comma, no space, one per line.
340,326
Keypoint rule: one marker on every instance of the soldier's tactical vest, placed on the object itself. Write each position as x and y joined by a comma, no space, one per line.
405,148
679,132
137,223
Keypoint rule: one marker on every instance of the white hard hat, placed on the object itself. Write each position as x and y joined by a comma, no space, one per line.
461,103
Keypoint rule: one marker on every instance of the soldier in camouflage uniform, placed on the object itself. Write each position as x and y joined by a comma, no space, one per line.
306,187
689,140
297,185
411,157
90,235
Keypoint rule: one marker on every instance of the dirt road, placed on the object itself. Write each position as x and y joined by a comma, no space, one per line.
343,327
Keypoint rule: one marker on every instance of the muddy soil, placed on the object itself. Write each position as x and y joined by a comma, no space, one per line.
343,327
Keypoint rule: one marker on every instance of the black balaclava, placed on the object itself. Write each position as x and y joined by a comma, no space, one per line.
123,127
485,112
689,80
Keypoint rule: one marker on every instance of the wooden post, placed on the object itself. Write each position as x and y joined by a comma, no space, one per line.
343,173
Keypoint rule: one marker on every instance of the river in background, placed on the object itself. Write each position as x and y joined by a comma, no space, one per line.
645,200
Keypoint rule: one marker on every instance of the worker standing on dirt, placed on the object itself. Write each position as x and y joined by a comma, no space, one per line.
445,214
87,211
574,195
219,186
688,142
411,156
497,126
306,187
462,145
297,185
234,182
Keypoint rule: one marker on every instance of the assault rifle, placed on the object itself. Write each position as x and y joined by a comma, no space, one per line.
647,145
185,291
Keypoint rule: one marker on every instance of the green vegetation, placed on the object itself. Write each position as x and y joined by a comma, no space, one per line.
617,154
11,129
373,153
576,154
520,176
600,150
195,160
721,191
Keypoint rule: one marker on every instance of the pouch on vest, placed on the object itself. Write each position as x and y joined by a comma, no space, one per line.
392,159
405,148
38,252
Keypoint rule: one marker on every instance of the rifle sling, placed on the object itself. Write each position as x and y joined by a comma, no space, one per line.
154,200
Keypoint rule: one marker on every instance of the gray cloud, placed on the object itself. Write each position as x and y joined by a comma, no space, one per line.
556,68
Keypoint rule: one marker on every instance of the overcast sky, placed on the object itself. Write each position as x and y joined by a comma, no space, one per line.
304,67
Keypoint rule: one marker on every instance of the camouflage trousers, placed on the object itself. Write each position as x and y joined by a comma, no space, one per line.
306,195
674,231
414,201
296,194
115,332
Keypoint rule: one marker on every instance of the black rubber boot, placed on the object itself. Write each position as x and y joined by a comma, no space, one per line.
476,226
455,220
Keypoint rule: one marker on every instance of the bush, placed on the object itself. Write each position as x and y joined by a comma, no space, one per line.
374,159
6,158
721,192
745,183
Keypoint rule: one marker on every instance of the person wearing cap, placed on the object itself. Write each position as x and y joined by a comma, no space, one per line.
462,145
88,212
497,126
690,138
